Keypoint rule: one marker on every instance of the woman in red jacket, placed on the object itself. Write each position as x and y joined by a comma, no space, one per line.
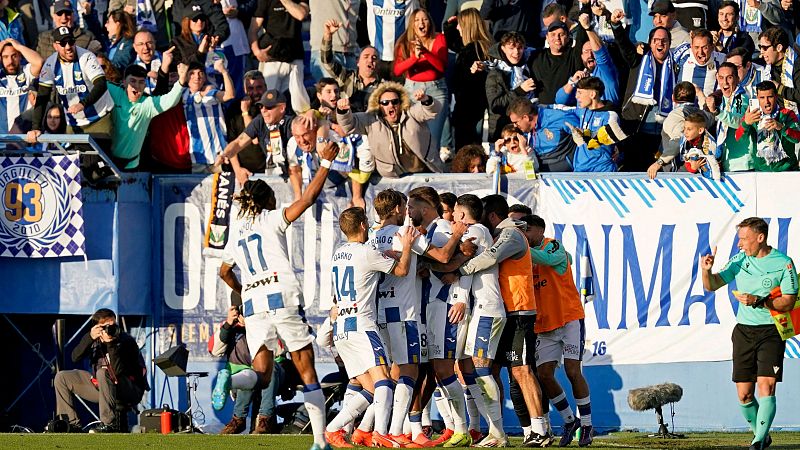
421,54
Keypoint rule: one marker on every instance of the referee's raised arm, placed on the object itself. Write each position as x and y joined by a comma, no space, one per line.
711,281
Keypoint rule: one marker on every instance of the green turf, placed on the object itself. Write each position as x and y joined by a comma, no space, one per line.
781,441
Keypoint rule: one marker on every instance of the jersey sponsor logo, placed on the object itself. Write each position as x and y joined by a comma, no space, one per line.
388,12
35,206
348,310
264,281
9,92
386,294
71,90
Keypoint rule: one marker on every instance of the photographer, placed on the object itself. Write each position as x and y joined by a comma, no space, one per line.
117,376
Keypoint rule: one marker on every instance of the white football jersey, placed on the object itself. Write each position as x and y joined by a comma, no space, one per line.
355,272
438,234
398,292
258,246
484,285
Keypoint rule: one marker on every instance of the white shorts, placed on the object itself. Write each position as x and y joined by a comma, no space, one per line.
360,351
483,336
401,340
567,342
445,340
286,324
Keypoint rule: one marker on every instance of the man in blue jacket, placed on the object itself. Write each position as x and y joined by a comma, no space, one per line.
547,132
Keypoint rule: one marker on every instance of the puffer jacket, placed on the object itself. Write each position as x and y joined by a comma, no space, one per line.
414,131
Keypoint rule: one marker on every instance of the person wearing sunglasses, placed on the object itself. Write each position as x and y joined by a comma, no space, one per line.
80,84
217,23
64,16
398,132
780,57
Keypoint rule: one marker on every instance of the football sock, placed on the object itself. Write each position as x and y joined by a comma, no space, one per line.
750,413
353,408
455,394
766,414
314,401
402,401
562,406
384,393
585,410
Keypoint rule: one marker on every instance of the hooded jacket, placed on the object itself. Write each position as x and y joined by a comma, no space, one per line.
498,90
414,131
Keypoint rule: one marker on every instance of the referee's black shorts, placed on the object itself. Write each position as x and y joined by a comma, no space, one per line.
757,352
518,342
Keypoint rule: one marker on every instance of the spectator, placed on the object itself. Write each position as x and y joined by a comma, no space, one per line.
399,138
547,133
357,84
386,21
121,27
147,15
468,36
202,105
508,80
36,20
729,35
273,130
210,9
692,14
684,100
555,65
144,44
664,15
279,49
649,94
555,12
512,15
63,17
469,159
112,74
734,103
343,40
236,47
80,84
773,130
780,55
239,115
596,63
695,147
698,63
16,80
421,55
757,16
193,43
11,25
750,74
133,111
598,129
514,145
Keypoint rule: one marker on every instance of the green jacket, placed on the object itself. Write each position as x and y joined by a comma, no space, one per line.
790,135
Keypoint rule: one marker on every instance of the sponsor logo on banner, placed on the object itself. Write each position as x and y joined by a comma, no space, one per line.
41,206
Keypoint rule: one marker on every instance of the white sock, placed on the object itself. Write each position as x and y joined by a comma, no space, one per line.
314,401
562,406
402,401
537,425
426,414
245,379
455,397
443,406
585,410
473,412
384,394
352,391
414,422
491,399
369,418
526,431
351,409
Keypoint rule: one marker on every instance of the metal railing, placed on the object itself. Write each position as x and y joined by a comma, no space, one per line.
58,142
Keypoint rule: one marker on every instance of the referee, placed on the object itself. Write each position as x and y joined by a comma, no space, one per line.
767,280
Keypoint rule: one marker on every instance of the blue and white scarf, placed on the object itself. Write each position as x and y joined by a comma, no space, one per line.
787,69
735,102
519,73
755,74
768,142
644,93
145,16
749,18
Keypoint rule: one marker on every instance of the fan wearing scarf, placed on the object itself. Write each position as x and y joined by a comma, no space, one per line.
698,62
773,131
698,150
781,58
649,92
508,80
732,105
750,73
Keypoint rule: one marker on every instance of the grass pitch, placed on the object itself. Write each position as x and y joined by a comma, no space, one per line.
699,441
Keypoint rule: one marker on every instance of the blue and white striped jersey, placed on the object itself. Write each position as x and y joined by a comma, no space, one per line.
386,21
14,96
206,123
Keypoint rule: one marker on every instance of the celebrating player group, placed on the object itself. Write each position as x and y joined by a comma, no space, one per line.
431,301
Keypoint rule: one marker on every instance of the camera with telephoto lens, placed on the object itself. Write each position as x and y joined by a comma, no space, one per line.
112,330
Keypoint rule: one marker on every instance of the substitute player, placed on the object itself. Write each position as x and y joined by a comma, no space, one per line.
272,299
560,331
485,325
766,280
357,268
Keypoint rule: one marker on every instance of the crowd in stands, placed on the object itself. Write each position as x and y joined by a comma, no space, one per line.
407,87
